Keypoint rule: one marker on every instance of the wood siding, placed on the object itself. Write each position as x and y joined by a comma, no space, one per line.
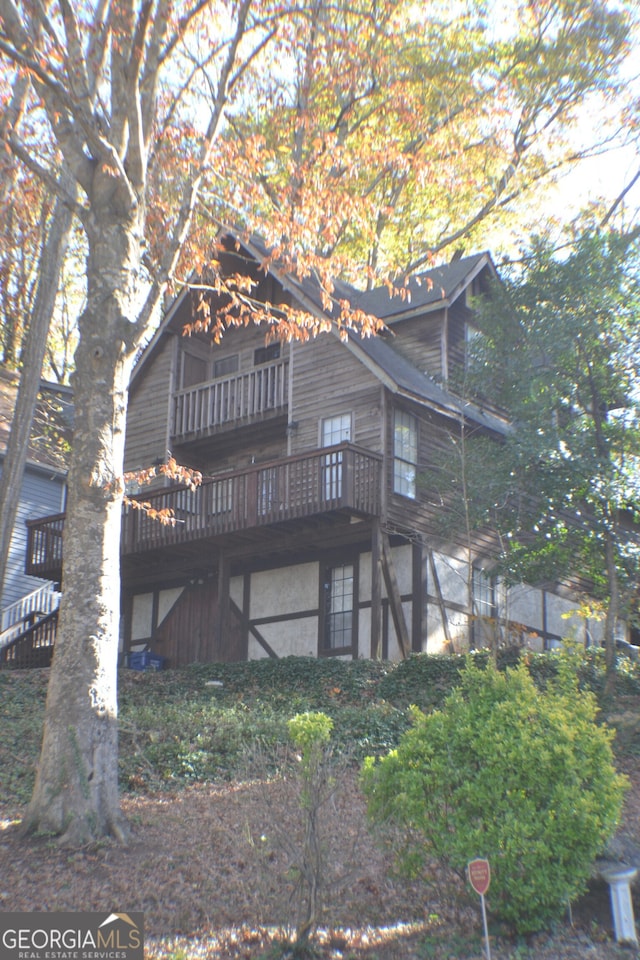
147,439
419,340
328,381
423,516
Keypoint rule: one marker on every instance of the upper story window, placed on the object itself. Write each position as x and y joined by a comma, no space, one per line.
194,369
266,354
336,430
472,337
405,453
225,366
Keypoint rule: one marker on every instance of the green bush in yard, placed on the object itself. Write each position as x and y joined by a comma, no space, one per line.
521,776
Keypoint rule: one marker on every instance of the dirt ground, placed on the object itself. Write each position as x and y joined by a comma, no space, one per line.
210,868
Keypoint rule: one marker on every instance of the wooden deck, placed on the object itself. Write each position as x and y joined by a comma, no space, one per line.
340,479
243,398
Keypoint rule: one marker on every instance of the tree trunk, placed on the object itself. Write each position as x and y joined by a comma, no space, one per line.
32,359
76,789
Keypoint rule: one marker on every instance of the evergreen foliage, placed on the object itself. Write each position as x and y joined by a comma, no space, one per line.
506,771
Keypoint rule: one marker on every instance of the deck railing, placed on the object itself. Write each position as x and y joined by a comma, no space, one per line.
44,547
344,477
200,409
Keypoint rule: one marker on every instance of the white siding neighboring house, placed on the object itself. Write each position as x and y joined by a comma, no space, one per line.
43,485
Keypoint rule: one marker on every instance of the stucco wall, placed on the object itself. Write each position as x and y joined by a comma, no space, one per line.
294,637
285,590
284,606
142,611
141,616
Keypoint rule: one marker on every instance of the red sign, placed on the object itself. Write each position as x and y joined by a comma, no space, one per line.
479,875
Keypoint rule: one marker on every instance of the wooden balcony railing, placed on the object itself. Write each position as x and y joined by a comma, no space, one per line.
344,477
198,410
44,547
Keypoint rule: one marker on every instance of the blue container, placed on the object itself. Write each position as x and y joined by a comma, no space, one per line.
145,660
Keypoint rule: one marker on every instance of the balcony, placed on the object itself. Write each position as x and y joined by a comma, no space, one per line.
336,480
243,398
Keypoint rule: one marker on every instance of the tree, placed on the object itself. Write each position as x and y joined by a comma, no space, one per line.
35,230
110,83
32,357
118,91
470,484
521,776
442,125
561,352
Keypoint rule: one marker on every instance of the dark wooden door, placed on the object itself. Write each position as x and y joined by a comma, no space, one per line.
189,632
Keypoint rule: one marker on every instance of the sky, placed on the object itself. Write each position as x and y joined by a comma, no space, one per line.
606,175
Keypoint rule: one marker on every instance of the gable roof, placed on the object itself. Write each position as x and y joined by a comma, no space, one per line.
405,379
432,290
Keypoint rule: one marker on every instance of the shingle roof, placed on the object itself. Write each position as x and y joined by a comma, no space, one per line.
431,290
408,380
435,287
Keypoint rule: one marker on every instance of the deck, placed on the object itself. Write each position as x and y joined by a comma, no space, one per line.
203,409
333,480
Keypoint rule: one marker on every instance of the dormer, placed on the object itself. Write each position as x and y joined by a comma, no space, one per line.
430,322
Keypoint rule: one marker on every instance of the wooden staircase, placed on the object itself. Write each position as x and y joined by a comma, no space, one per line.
28,629
33,646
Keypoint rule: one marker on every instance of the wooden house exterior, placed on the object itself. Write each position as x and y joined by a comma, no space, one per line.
312,532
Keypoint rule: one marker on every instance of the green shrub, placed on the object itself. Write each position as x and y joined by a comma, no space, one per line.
521,776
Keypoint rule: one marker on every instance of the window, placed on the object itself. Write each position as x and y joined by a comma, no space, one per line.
405,453
334,430
194,370
225,366
219,496
472,341
187,508
338,607
266,354
484,624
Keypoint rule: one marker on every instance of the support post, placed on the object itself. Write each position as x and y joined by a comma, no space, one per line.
223,600
395,599
376,593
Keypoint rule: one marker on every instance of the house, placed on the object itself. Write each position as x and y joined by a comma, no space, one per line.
312,532
26,598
